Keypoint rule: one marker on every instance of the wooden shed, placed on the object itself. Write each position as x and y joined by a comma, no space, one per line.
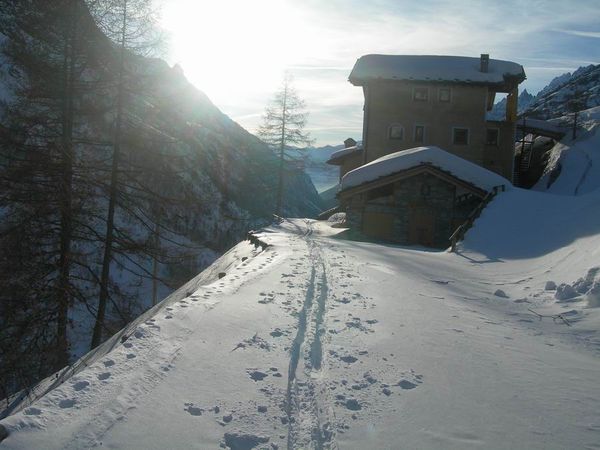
414,197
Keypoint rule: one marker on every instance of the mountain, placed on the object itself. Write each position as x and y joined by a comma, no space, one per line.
193,182
498,112
579,90
323,175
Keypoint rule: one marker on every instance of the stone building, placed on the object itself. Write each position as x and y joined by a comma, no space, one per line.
414,197
414,100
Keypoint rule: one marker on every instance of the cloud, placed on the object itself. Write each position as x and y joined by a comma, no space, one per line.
589,34
547,37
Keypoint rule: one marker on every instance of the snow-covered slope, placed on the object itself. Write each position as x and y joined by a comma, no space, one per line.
318,342
573,166
578,90
187,167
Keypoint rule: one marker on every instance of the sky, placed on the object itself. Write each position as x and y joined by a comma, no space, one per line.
237,51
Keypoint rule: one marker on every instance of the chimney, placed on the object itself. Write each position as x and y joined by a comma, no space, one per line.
349,143
485,63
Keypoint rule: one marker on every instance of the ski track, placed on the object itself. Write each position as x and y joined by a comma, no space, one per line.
339,385
307,406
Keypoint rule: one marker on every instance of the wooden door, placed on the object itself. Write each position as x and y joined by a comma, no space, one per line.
378,225
421,227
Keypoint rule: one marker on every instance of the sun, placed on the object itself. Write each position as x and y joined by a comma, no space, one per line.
230,48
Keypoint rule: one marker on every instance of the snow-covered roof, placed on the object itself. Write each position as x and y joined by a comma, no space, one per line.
344,152
434,156
454,69
540,125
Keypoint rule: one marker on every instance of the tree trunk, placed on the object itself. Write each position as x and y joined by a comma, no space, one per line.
155,263
112,200
66,187
281,155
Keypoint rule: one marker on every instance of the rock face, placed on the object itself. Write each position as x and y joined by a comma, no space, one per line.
569,91
499,110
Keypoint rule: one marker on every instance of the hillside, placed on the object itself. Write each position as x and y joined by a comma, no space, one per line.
579,90
572,165
320,342
193,182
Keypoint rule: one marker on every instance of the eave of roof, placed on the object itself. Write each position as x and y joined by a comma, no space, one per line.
405,159
411,172
340,156
503,75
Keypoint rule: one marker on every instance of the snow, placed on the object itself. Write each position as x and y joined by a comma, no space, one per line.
318,342
432,68
344,152
542,125
406,159
578,160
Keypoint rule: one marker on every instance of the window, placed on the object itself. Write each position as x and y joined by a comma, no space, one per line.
460,136
421,94
419,133
491,136
444,95
396,132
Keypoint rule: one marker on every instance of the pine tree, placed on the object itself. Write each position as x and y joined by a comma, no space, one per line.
40,201
283,126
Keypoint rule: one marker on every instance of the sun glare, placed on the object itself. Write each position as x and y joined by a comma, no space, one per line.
227,46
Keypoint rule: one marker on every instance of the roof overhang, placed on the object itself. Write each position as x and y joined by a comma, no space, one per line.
338,158
408,173
502,76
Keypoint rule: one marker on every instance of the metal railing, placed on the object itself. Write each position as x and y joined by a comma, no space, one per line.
460,232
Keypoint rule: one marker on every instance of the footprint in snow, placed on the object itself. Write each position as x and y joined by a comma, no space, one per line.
353,405
104,376
67,403
193,410
32,412
349,359
275,371
405,384
109,363
257,375
277,332
81,385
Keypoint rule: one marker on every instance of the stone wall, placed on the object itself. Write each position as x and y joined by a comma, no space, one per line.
425,210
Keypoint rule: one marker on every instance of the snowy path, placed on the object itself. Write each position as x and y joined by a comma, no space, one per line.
319,343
